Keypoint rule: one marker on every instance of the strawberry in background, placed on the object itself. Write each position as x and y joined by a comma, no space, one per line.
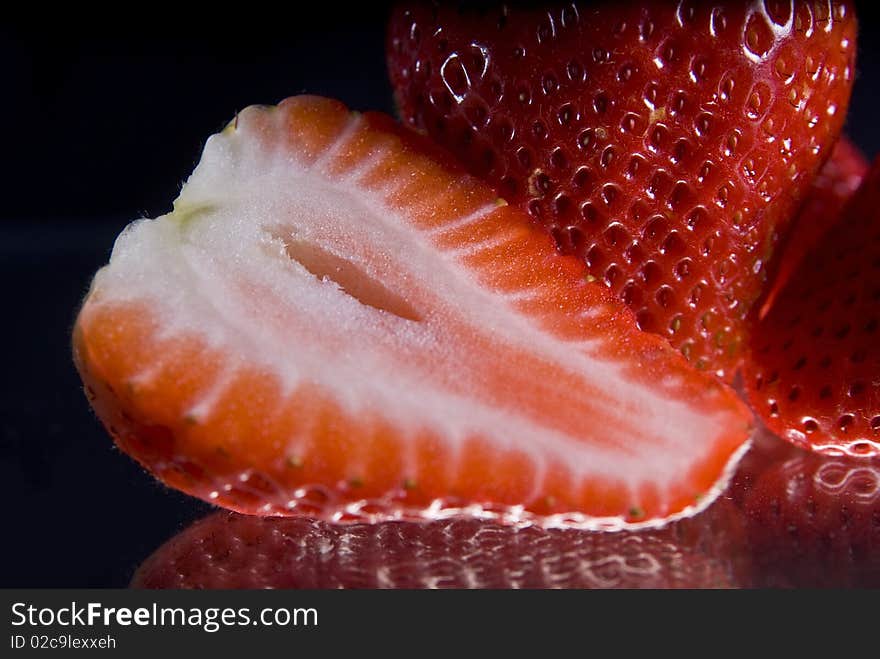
813,370
831,189
665,144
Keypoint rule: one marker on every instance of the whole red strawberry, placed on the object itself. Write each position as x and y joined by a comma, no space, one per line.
666,144
813,371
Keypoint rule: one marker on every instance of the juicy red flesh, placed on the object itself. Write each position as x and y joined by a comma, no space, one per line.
354,328
812,372
666,146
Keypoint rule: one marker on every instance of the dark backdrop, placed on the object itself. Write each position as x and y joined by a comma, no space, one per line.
102,118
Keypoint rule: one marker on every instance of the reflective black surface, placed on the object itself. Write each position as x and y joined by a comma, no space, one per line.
787,519
101,125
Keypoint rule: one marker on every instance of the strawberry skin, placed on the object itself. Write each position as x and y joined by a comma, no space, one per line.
829,192
333,321
812,371
665,144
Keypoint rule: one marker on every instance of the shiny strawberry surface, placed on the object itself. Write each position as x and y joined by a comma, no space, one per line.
666,144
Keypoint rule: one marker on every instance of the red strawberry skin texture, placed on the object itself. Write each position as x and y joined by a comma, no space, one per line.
812,371
837,180
666,144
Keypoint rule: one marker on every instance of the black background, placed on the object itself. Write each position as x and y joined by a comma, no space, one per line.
102,118
100,124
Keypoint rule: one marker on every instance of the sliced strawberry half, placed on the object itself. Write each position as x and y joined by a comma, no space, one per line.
331,318
667,144
813,371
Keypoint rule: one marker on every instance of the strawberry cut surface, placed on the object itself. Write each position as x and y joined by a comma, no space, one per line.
665,144
334,320
812,371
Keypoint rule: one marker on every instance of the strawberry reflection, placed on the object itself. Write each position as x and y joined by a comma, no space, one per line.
812,521
788,519
228,550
